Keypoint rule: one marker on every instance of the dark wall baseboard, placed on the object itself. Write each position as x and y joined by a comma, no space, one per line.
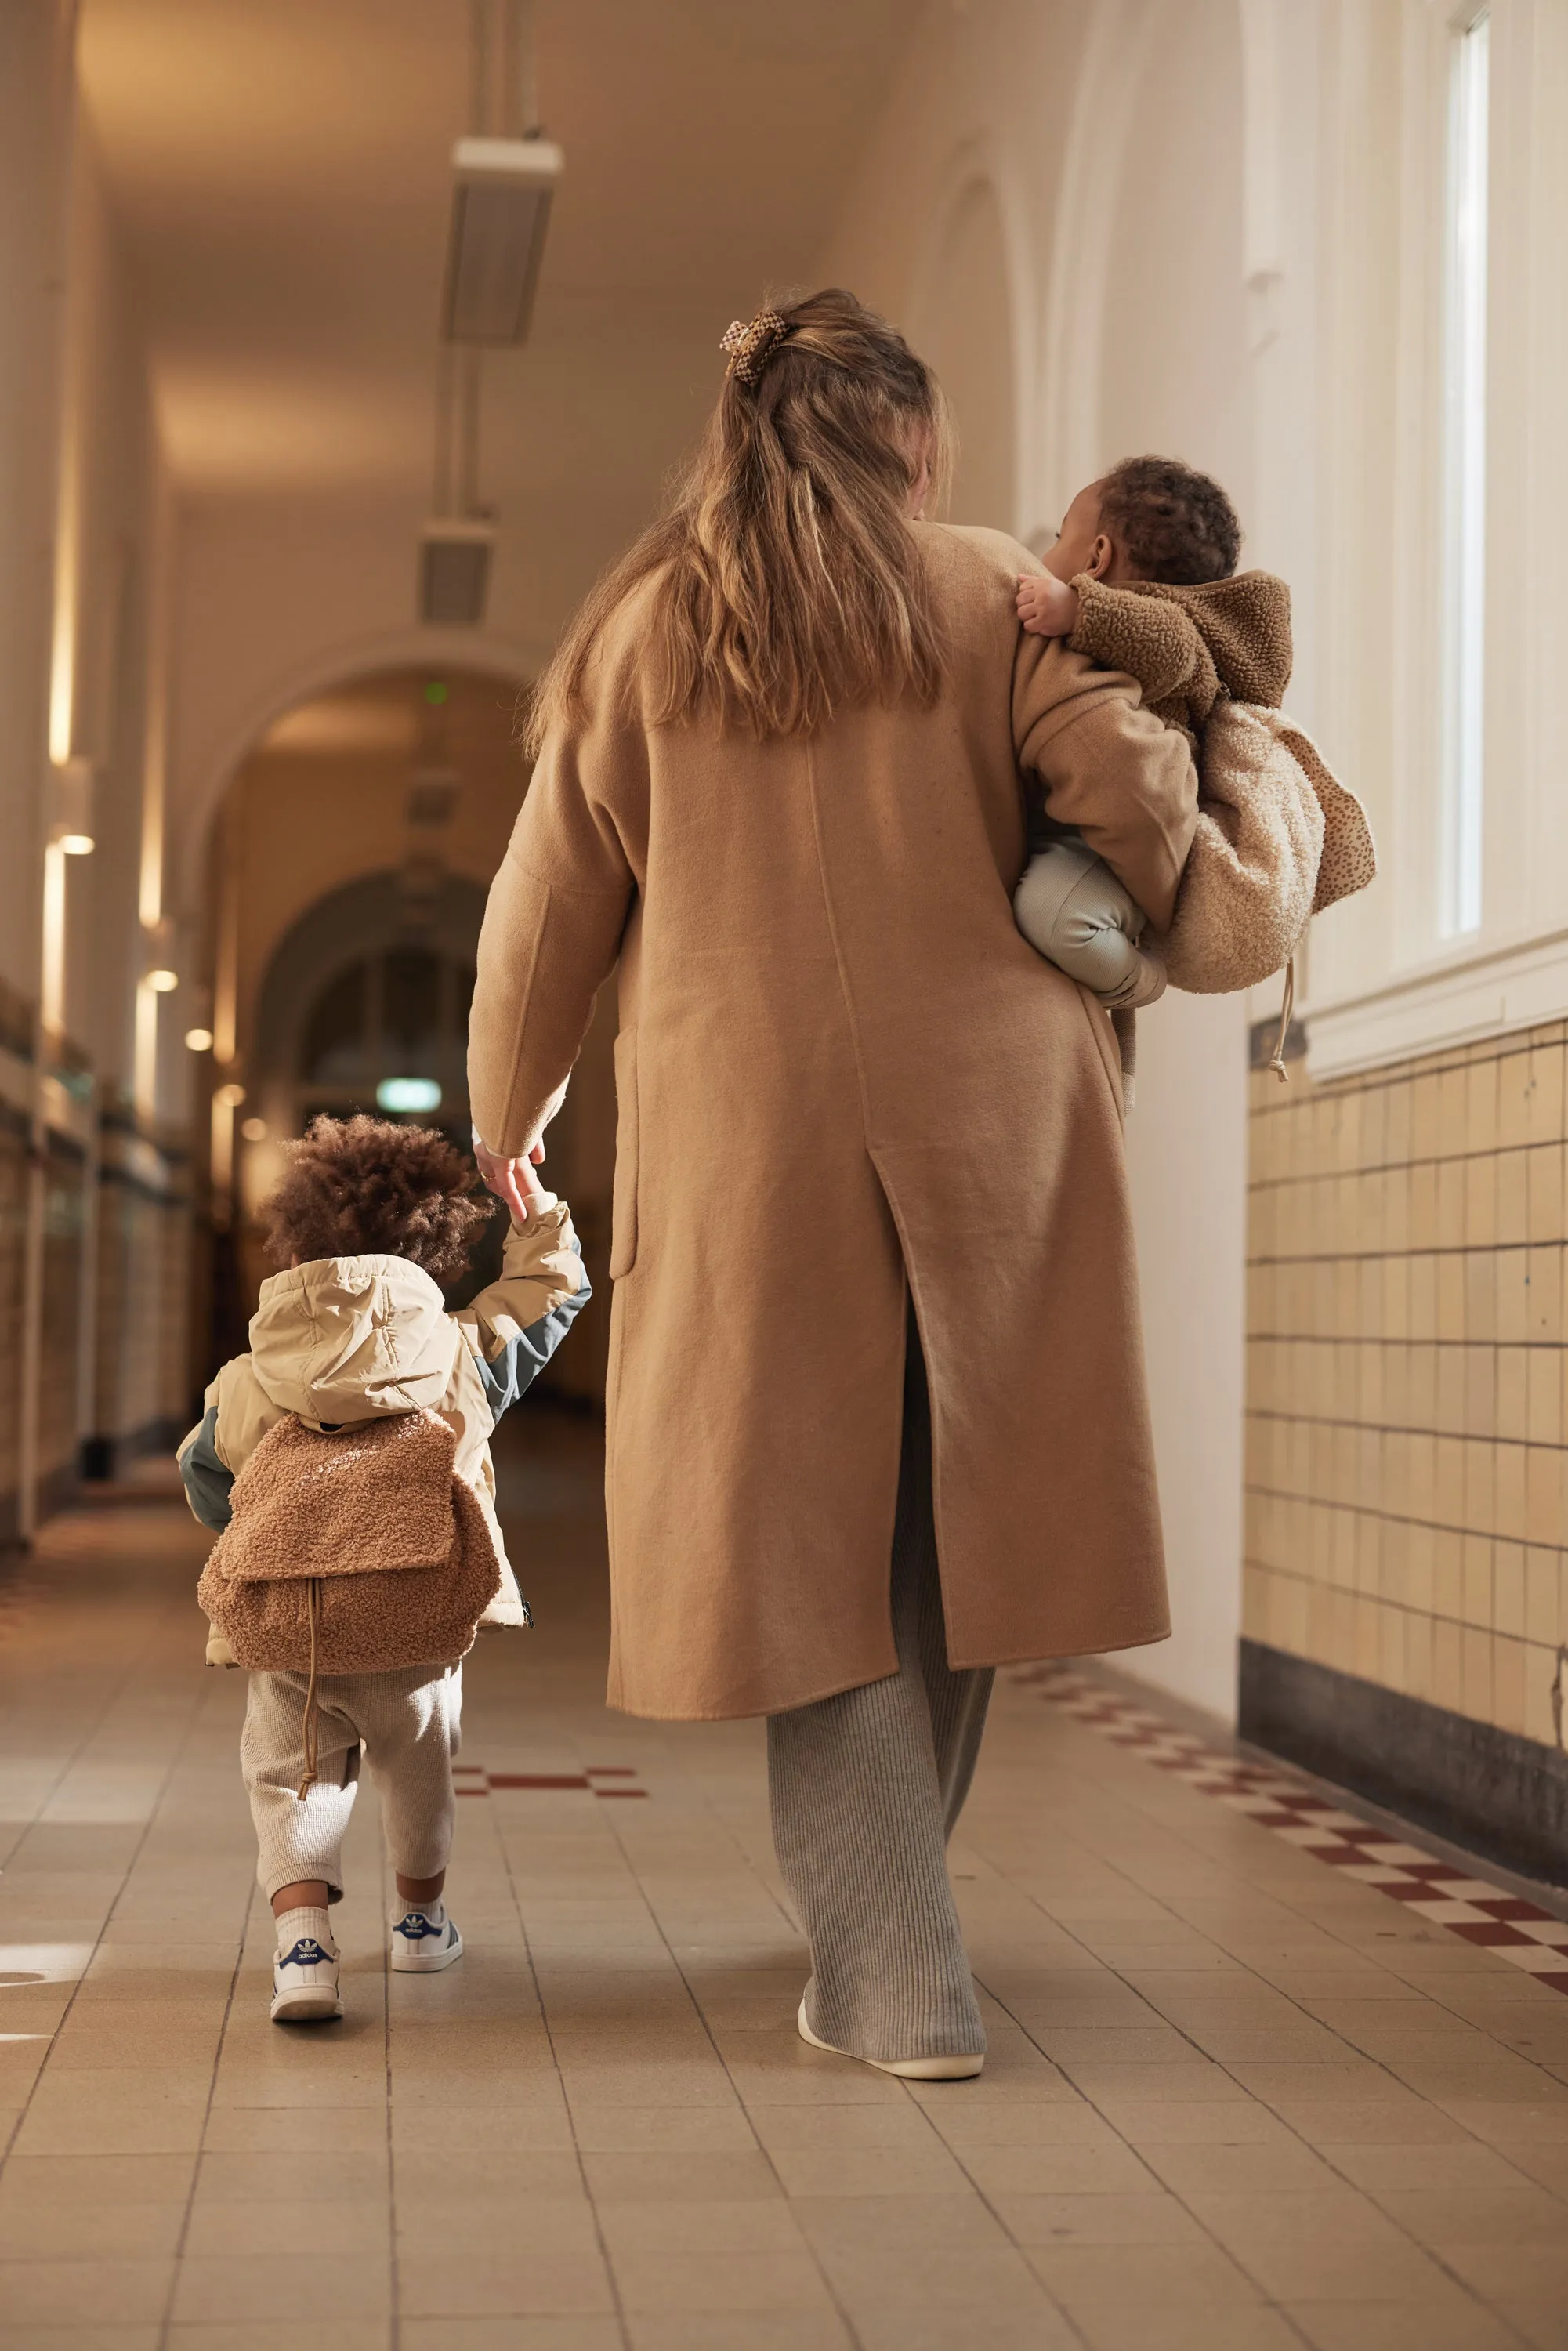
1497,1795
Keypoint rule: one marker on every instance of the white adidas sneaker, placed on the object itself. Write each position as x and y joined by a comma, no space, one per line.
422,1945
305,1984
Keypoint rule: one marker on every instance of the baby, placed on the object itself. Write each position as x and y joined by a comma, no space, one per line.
1141,579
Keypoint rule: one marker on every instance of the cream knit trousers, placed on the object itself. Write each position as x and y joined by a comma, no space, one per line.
407,1721
865,1789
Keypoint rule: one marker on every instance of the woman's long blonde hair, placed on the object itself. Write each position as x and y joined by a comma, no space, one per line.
786,578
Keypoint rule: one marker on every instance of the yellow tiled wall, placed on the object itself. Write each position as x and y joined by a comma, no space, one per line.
1408,1418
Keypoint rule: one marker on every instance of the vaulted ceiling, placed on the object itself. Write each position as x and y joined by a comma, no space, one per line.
280,172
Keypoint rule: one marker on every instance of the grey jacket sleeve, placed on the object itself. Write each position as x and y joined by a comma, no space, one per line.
513,1328
208,1484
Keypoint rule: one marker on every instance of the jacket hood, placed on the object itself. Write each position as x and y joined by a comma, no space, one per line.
1246,625
349,1338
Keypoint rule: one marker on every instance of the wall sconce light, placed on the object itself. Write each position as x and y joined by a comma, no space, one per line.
200,1040
162,982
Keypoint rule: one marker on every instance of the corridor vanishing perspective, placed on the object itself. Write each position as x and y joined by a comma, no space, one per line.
1251,2085
342,348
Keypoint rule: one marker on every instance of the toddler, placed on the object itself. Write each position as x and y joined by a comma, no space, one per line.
369,1219
1141,578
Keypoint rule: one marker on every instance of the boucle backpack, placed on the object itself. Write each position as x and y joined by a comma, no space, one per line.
350,1552
1278,840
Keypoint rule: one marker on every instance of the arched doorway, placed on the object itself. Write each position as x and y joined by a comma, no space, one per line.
353,855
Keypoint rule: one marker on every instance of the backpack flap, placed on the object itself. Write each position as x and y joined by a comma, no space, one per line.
368,1527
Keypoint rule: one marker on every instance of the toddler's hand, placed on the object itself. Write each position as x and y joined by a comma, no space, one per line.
1047,606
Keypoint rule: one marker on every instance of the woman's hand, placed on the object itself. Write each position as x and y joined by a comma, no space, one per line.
1047,606
512,1180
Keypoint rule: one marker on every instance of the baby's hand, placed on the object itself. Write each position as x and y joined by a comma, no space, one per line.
1047,606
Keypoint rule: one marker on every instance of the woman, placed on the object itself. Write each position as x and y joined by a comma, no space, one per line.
876,1412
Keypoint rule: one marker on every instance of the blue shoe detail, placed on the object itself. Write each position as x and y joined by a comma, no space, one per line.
413,1926
307,1953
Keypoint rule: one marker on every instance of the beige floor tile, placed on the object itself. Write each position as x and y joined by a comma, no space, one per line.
47,2181
354,2227
961,2277
1539,2159
690,2330
46,2336
232,2288
679,2130
1521,2273
836,2224
771,2282
436,2174
1200,2082
540,2125
857,2171
1015,2123
350,2174
1025,2326
69,2229
1503,2122
502,2282
123,2130
1444,2218
1171,2122
1275,2165
1543,2324
477,2222
274,2130
1151,2220
1182,2276
261,2335
1207,2327
1398,2121
574,2333
1460,2325
1035,2170
899,2123
72,2292
746,2224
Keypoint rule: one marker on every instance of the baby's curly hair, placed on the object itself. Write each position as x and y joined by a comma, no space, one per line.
368,1187
1174,524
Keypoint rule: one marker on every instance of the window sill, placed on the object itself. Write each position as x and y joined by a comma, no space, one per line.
1474,992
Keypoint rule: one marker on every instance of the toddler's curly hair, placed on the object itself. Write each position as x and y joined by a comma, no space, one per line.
1175,524
368,1187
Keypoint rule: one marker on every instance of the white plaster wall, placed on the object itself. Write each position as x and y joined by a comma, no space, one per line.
1120,222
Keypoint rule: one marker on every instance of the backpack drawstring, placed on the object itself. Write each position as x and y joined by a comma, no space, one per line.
1277,1063
312,1708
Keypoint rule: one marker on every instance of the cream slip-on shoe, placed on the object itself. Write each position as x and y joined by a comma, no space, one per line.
908,2069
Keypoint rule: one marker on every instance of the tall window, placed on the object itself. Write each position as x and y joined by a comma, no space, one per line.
1465,470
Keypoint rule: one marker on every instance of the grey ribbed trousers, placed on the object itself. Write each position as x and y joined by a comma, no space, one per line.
865,1788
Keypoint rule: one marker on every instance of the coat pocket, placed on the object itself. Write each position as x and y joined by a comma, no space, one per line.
623,1228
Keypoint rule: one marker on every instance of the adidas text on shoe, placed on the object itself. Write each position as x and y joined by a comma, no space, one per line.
305,1984
420,1947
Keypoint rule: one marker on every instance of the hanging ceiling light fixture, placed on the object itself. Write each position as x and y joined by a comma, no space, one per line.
500,212
505,176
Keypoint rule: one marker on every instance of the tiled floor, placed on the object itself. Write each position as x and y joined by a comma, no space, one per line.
1237,2099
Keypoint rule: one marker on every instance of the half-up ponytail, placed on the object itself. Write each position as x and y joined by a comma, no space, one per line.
788,582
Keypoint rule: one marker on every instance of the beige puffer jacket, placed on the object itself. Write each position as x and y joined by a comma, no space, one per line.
344,1340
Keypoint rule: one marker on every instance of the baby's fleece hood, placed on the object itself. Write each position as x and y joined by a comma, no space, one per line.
1188,646
349,1338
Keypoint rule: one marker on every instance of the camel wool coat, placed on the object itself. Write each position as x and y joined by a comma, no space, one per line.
844,1079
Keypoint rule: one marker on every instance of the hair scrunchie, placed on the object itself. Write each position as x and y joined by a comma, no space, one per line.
751,346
